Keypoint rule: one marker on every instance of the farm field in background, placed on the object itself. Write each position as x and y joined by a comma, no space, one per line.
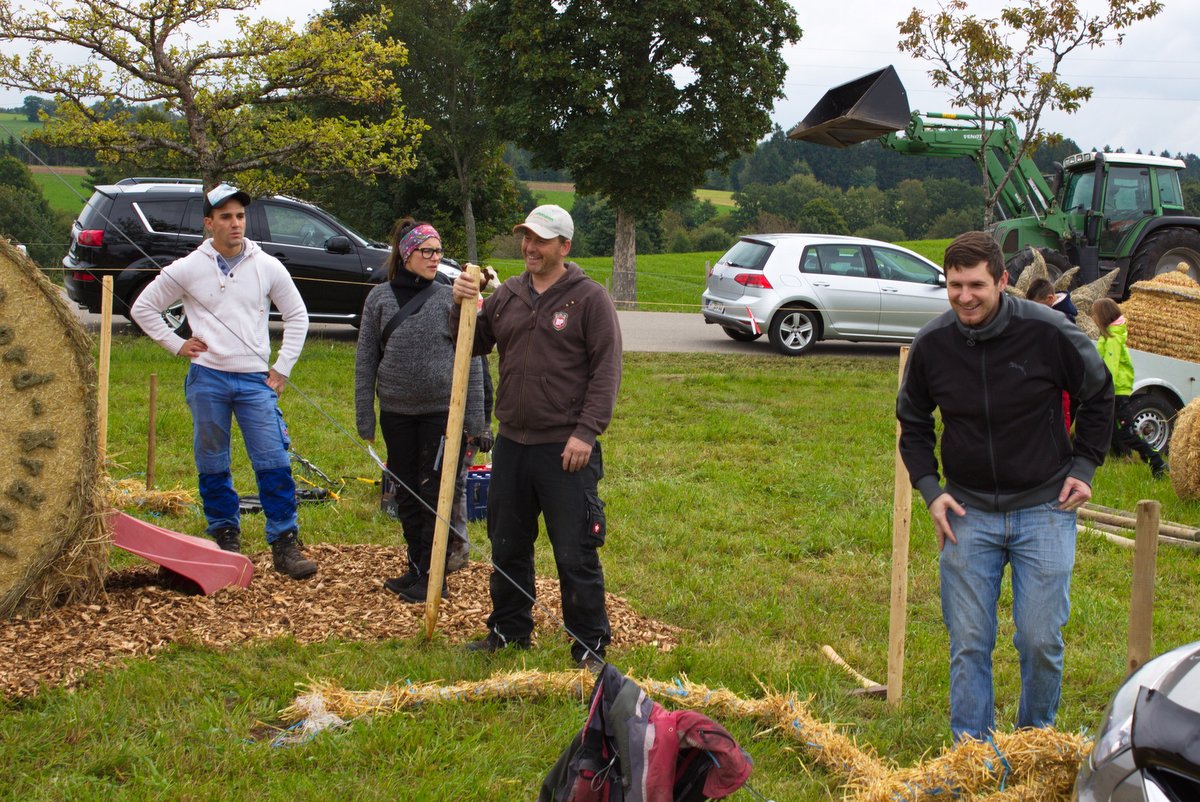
15,125
562,193
749,501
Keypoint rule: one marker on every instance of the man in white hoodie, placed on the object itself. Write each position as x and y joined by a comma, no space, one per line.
227,286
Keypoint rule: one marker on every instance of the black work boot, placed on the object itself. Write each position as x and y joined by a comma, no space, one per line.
405,580
229,538
494,642
286,556
416,591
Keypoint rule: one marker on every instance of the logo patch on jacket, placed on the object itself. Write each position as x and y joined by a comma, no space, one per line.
559,321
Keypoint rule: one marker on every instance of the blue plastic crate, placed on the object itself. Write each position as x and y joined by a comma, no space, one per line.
478,480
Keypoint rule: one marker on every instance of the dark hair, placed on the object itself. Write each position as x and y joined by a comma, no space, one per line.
1104,312
1039,289
972,247
394,263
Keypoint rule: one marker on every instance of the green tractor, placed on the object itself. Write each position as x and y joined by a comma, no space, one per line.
1100,211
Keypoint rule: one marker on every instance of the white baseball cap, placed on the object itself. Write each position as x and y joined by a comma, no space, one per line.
548,221
221,193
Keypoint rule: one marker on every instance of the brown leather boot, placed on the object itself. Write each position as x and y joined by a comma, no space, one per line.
286,556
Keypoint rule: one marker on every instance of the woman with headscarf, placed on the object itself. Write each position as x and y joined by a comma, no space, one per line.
406,360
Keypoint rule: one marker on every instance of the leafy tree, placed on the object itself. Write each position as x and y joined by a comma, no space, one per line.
639,99
1010,65
438,86
34,106
235,107
26,215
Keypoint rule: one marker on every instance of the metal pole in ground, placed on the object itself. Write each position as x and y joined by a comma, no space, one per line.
901,525
1141,601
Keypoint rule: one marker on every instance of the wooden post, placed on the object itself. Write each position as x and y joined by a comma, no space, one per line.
151,438
450,455
901,523
106,295
1141,600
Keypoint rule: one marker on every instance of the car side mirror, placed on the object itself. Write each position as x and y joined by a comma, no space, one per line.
941,279
338,244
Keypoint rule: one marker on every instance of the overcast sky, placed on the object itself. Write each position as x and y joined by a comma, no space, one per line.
1147,90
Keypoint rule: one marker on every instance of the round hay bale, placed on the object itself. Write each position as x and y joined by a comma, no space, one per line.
1185,452
53,541
1164,314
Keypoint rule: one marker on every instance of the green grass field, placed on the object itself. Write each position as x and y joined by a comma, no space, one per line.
15,125
749,502
64,192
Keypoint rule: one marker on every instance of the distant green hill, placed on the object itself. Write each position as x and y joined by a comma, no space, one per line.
15,125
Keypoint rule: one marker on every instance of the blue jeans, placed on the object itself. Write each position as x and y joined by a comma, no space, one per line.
1039,543
215,398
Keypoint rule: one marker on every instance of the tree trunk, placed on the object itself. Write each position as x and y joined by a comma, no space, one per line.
624,275
468,212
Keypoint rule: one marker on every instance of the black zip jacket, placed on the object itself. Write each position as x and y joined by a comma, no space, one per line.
999,389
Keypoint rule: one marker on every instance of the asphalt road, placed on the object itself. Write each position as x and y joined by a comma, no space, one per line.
665,332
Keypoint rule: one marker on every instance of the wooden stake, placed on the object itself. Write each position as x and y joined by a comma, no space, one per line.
450,454
151,438
106,294
1141,601
901,524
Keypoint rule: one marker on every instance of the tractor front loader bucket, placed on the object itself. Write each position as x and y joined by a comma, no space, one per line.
865,108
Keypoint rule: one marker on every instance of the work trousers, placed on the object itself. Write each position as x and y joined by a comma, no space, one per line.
528,481
413,444
215,398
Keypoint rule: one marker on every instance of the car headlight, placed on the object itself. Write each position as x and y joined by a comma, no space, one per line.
1115,739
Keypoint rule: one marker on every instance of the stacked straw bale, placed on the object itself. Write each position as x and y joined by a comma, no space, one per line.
53,542
1185,452
1163,315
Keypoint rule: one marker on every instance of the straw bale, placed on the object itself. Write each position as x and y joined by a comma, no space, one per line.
1034,270
53,544
1083,297
1163,314
125,493
1064,281
1185,452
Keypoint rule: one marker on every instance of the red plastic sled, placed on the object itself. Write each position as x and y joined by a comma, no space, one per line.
198,559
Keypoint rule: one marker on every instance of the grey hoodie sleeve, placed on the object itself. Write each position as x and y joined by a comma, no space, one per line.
473,422
366,366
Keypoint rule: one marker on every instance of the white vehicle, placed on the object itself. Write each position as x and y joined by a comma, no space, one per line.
1162,385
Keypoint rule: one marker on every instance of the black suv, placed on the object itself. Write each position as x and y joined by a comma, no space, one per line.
132,228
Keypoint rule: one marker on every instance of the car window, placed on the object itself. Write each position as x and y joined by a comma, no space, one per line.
811,263
842,260
193,219
161,216
747,253
900,266
290,226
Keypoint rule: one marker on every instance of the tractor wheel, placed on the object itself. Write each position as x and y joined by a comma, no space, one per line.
1162,251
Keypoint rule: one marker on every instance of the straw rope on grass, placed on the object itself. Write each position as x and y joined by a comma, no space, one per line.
1185,452
1164,314
1031,764
53,545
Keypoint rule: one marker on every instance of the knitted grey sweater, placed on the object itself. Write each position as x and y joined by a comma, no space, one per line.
413,376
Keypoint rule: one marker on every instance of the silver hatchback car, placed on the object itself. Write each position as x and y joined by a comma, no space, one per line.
802,288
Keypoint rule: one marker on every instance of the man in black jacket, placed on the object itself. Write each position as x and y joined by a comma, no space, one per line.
996,367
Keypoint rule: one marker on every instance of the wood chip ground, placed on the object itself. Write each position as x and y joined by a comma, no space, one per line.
143,614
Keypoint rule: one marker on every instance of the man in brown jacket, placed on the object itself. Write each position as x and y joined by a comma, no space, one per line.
559,343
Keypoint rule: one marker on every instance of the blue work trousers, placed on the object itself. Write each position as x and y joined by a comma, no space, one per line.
216,397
